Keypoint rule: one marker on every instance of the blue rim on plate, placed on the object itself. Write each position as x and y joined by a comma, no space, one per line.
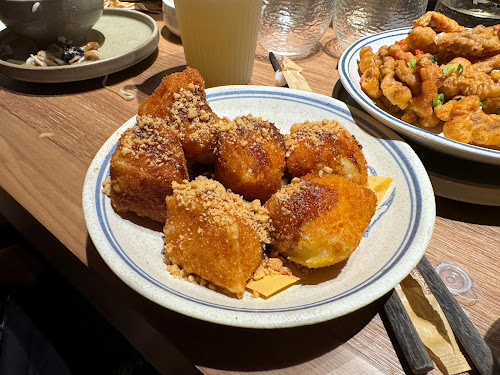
411,247
349,76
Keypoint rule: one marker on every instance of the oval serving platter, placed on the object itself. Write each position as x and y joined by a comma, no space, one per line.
392,245
349,75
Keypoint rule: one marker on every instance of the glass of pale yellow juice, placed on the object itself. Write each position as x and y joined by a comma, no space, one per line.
219,38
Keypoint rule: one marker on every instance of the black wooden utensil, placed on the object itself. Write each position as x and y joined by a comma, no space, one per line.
409,341
472,342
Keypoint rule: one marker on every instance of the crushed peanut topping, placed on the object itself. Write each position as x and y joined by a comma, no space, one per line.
271,266
106,186
190,115
312,132
180,273
221,207
151,140
260,130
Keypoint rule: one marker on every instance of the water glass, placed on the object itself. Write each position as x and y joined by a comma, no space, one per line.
354,19
292,27
219,38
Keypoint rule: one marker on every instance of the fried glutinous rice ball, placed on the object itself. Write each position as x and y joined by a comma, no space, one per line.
181,101
147,159
250,158
215,234
318,221
325,145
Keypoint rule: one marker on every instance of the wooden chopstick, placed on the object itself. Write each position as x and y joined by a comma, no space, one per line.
409,341
472,342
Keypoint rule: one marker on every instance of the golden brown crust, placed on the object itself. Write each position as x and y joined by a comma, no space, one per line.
369,67
250,158
147,159
180,100
318,221
325,145
214,233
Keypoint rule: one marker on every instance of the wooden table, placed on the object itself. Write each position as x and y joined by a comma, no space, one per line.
42,179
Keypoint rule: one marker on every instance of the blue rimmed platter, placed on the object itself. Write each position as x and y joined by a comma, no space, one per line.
349,75
393,244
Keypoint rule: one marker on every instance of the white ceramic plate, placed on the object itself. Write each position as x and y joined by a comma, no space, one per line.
393,244
349,75
126,37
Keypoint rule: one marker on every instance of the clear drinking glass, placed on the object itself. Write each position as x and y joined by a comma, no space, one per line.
354,19
292,27
470,13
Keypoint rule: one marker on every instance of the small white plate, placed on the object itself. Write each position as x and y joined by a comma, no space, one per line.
349,75
126,37
393,244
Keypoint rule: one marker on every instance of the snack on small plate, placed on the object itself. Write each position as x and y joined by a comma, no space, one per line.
250,158
217,238
147,159
317,221
324,145
180,100
214,233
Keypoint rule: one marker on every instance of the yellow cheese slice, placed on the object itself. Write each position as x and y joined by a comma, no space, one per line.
379,185
271,284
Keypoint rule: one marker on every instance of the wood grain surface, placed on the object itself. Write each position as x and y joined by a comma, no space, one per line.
44,175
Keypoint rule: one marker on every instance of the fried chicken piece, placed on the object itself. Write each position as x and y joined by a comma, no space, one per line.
491,105
250,158
397,93
325,146
421,106
147,159
495,75
215,234
383,52
474,79
466,122
422,38
452,84
403,71
454,40
399,53
180,100
319,221
478,42
440,22
370,73
409,77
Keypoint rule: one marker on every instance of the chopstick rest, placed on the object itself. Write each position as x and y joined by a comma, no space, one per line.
291,72
409,341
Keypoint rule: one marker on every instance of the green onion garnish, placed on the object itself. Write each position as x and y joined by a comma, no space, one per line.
460,69
412,64
483,102
433,58
448,69
458,99
497,112
438,99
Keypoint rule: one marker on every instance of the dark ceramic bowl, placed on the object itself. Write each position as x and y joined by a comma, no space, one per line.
47,21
